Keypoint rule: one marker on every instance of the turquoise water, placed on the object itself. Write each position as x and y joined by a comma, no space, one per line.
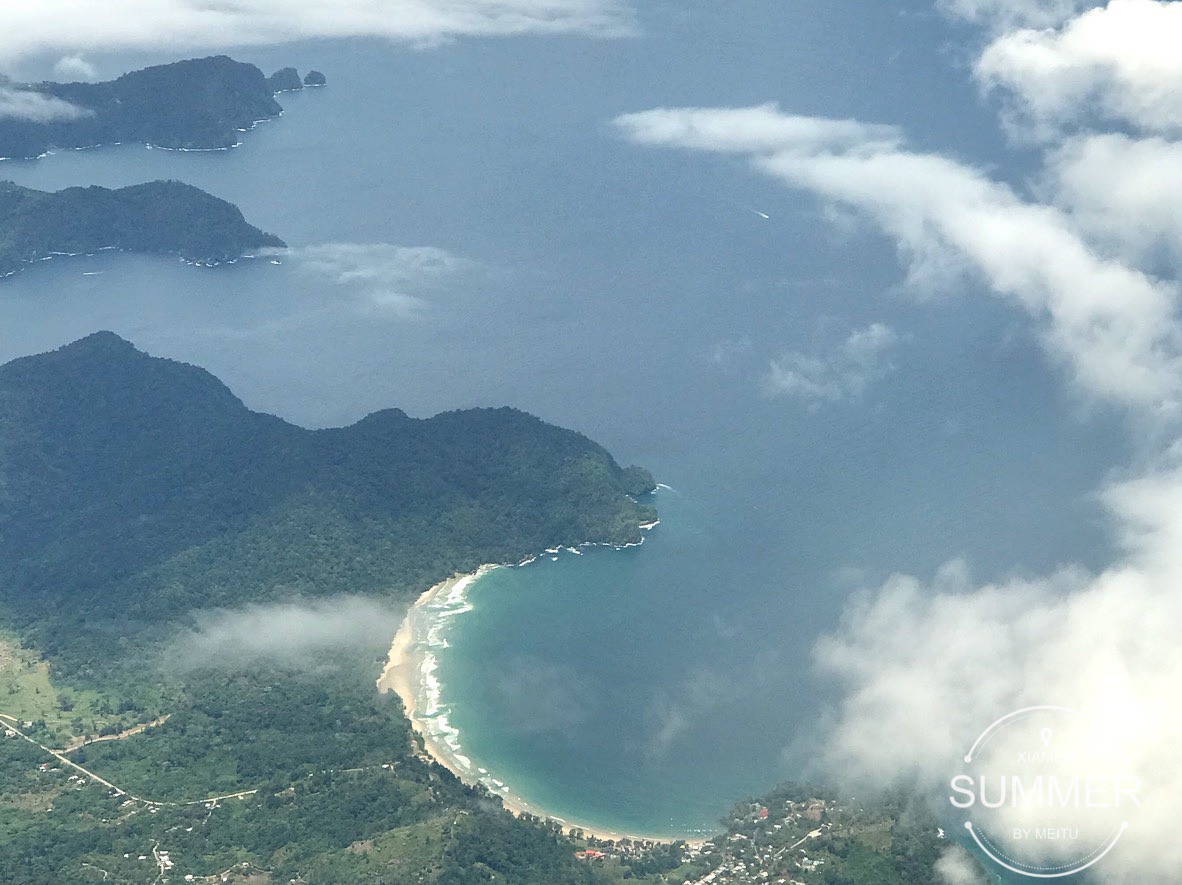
646,689
633,295
566,682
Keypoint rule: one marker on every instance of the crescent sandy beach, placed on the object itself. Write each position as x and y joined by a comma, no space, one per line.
411,672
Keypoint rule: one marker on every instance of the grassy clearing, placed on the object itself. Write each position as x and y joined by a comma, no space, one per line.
28,694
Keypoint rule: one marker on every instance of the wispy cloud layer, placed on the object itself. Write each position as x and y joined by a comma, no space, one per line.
842,373
69,27
36,107
955,867
541,697
386,278
674,710
1125,193
1111,323
757,131
295,634
925,665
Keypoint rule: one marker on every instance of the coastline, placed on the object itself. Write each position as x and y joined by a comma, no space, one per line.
410,672
26,263
404,663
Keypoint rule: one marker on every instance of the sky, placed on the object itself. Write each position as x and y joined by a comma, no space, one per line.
1086,247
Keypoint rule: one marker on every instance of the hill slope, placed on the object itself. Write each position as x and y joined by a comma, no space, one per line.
135,489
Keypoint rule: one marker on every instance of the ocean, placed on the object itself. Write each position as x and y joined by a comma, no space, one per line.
468,229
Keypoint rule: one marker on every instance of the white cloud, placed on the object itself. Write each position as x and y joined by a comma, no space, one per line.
864,347
928,664
1112,324
72,68
293,634
955,867
924,668
388,278
843,373
36,107
380,262
725,354
1125,193
1121,63
78,26
753,131
921,667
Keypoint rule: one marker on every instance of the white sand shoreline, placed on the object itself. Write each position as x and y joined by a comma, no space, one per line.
410,673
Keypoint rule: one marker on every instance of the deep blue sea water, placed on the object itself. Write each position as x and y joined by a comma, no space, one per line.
637,296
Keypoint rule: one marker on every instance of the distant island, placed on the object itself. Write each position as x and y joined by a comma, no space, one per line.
165,217
197,104
288,80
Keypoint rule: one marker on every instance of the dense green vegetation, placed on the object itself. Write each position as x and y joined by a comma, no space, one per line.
340,796
165,217
137,491
200,103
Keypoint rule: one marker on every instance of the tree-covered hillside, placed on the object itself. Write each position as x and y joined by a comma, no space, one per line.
201,103
165,217
135,489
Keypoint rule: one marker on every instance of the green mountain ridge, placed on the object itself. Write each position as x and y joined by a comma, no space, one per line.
159,217
135,489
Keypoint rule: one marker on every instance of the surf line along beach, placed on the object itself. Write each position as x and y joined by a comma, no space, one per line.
411,672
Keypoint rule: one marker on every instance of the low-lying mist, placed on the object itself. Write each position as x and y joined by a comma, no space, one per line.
297,634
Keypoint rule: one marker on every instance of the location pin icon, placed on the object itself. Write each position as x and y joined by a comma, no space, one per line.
1046,735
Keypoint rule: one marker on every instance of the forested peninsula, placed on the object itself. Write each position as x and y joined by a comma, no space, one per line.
135,489
196,104
164,217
